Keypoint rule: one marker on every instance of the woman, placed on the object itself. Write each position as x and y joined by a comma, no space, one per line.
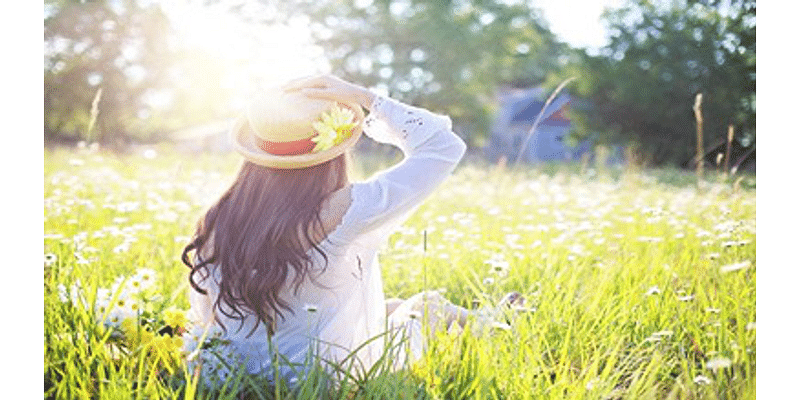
285,266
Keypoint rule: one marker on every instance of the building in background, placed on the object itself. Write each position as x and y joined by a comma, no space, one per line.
517,112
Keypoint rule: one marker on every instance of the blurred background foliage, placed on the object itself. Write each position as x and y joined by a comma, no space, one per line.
452,56
642,86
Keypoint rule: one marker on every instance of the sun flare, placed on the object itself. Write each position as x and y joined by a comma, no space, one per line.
249,54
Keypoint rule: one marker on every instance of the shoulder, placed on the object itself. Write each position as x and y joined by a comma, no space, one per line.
335,207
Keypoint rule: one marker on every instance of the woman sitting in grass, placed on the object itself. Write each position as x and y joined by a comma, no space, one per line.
285,266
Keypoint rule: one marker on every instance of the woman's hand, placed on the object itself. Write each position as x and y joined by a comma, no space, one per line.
331,88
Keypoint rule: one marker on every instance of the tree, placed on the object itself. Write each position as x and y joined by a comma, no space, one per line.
643,85
449,56
116,46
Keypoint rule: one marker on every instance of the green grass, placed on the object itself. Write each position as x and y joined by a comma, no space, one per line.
624,271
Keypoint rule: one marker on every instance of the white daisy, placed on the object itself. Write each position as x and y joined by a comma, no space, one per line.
146,277
701,380
735,267
49,259
718,363
653,290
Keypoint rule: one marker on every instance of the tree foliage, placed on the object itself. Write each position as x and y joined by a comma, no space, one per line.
118,47
643,84
449,56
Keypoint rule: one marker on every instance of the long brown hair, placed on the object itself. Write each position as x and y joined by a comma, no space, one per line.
259,231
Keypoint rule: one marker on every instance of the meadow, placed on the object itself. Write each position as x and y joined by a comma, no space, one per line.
638,283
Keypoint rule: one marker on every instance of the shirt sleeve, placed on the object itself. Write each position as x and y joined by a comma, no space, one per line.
431,151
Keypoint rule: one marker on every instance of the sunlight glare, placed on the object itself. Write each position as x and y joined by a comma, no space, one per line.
251,55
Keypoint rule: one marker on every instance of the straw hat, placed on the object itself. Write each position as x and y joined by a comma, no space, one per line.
277,130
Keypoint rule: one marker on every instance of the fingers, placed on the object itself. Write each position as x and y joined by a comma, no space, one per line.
330,87
318,81
324,93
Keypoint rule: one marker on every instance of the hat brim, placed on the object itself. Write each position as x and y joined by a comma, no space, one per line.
244,141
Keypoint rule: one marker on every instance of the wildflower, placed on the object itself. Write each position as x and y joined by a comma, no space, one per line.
750,326
686,298
122,248
452,235
146,277
653,290
175,318
101,306
80,259
166,346
718,363
657,336
116,318
500,325
512,238
182,239
167,216
735,267
103,294
498,265
133,307
701,380
488,281
49,259
62,293
134,286
121,303
129,327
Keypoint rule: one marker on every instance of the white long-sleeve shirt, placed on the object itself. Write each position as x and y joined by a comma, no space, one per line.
345,308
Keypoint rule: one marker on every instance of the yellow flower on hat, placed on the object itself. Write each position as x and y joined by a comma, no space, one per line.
333,128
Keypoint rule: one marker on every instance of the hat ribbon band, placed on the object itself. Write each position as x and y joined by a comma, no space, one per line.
293,148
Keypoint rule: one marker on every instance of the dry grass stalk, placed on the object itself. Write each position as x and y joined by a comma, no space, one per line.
94,112
539,117
728,150
698,115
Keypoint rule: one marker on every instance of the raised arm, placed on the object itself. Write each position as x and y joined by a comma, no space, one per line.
431,152
430,147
